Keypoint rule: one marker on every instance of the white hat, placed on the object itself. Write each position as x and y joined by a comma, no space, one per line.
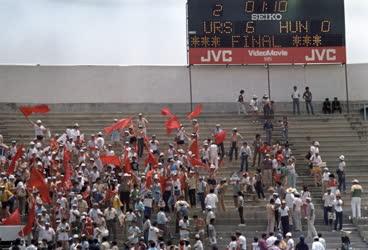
308,198
76,125
38,121
32,143
316,143
288,234
99,133
355,181
341,157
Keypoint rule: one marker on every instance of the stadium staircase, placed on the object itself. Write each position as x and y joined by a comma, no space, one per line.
334,133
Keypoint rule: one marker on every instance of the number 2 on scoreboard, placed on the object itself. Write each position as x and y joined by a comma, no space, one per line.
217,10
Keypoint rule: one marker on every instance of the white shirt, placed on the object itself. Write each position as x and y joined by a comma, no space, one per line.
342,165
284,211
328,199
289,198
184,234
271,240
213,151
323,241
298,203
211,200
46,234
290,244
110,214
198,245
316,245
295,94
338,205
242,242
39,130
153,234
233,245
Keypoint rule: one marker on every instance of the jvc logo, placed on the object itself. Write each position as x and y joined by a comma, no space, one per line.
322,55
218,56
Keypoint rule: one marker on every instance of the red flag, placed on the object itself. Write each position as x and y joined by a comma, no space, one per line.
110,159
150,159
67,169
27,229
13,219
198,163
28,110
127,165
166,111
149,178
196,112
220,137
194,148
123,123
171,124
17,156
37,180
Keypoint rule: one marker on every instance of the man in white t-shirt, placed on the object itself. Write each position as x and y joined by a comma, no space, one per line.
295,95
46,233
242,241
153,233
211,200
289,241
316,245
184,228
39,128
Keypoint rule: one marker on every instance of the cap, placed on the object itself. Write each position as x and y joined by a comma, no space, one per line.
355,181
341,157
235,129
218,125
288,234
315,238
308,199
38,121
316,143
76,125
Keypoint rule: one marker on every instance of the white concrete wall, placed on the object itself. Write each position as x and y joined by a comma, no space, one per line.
170,84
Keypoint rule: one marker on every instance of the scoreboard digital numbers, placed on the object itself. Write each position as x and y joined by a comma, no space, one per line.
266,31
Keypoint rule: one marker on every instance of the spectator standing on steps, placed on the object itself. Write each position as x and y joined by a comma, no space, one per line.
295,95
341,174
235,136
338,211
241,103
245,153
221,148
312,232
356,194
241,204
268,127
307,96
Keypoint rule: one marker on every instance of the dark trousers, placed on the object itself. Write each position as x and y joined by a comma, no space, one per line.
256,152
166,196
244,163
336,109
221,150
326,210
201,199
285,225
111,226
296,105
140,147
338,220
259,190
192,197
233,149
309,107
241,214
341,181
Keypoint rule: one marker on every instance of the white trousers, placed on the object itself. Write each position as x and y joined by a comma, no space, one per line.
355,206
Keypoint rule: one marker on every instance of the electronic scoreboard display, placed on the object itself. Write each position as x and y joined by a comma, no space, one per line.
266,31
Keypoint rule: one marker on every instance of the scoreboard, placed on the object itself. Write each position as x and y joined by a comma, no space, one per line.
266,31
